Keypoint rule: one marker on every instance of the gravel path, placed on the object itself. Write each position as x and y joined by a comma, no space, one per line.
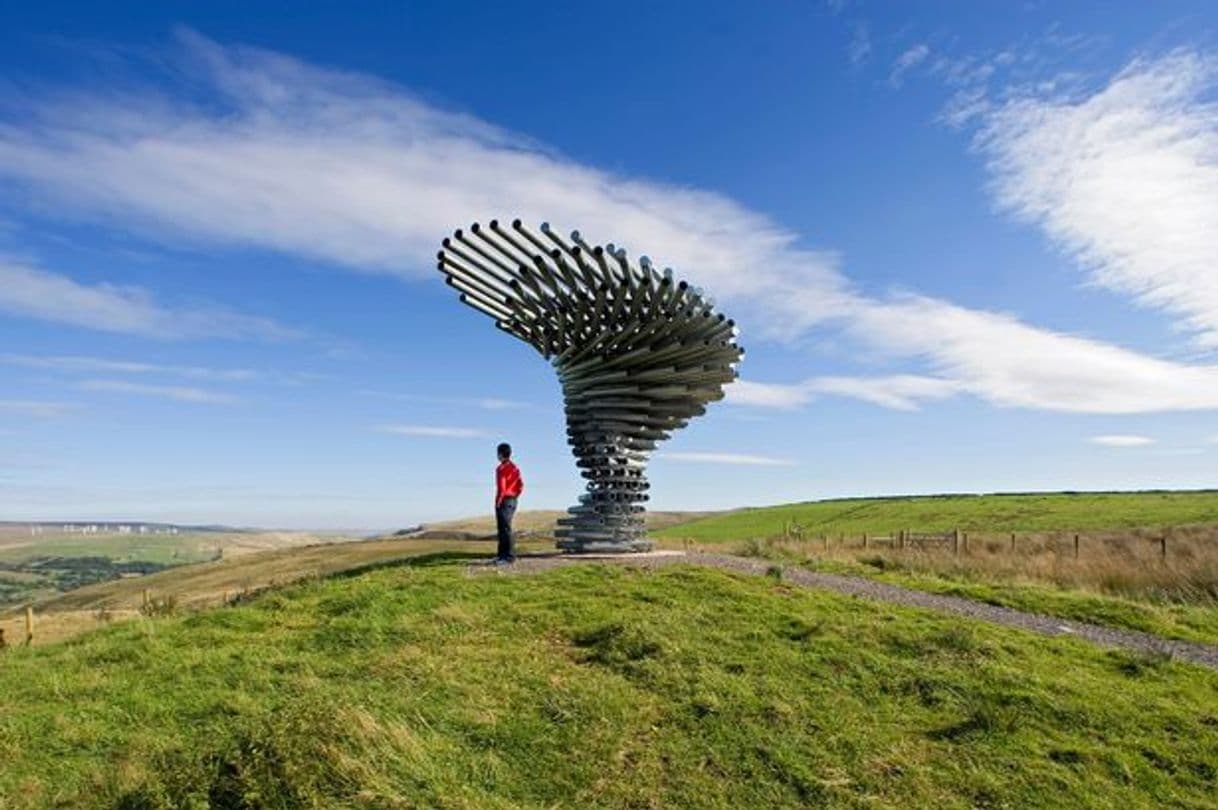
1204,654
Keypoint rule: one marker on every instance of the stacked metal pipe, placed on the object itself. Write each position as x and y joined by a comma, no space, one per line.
638,354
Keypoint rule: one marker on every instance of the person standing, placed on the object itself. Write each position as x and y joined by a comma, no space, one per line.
508,486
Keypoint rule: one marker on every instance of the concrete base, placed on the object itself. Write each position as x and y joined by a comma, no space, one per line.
611,556
637,546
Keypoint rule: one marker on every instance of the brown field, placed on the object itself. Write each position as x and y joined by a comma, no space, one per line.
1176,565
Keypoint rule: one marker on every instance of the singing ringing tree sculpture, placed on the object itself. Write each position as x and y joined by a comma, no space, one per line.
638,355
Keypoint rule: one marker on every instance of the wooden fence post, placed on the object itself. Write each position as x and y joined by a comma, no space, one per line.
824,539
1076,546
29,624
1012,542
955,541
1163,548
147,598
864,539
964,541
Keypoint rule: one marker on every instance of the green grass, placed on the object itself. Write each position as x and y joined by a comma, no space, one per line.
978,513
419,686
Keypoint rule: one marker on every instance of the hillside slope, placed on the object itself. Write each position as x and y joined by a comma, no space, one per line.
417,685
543,522
211,583
1047,512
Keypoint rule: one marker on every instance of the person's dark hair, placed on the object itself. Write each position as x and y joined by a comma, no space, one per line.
505,450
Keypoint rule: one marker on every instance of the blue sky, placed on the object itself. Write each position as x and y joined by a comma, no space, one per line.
969,247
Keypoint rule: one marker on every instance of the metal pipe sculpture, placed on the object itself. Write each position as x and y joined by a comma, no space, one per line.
638,355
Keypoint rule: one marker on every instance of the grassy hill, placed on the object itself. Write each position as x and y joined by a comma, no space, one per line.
418,685
543,522
34,568
974,513
212,583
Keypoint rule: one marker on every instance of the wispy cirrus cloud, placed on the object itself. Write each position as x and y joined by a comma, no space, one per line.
1122,440
84,364
859,49
267,151
178,393
1001,360
1124,180
37,409
432,431
485,403
909,59
32,292
731,459
898,391
79,363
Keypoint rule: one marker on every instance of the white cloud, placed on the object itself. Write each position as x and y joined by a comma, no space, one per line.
1122,440
76,363
1003,361
898,391
351,170
82,364
907,61
35,409
432,431
1000,360
354,171
734,459
32,292
1124,180
859,49
175,392
486,403
768,395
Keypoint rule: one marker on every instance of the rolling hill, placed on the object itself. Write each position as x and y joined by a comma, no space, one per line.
1031,512
414,684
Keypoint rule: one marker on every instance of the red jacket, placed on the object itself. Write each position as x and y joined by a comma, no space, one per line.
508,483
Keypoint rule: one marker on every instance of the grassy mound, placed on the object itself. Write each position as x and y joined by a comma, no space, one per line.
420,686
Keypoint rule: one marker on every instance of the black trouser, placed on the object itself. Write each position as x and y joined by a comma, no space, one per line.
503,522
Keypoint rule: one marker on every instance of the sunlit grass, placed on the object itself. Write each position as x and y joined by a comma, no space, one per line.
421,686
